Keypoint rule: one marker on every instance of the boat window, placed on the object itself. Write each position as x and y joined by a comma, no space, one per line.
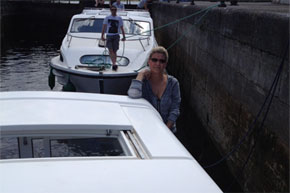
98,60
92,25
38,147
9,148
137,27
87,25
109,143
86,147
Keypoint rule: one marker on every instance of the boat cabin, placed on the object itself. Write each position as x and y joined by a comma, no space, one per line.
78,142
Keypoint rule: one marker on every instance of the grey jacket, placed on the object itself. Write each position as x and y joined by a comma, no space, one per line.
167,106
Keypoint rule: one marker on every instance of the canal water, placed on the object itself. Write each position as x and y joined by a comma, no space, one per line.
26,51
25,57
25,65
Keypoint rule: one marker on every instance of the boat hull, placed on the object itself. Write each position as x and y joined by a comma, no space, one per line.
85,65
94,83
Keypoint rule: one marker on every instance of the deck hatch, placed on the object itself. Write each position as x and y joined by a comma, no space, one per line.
98,60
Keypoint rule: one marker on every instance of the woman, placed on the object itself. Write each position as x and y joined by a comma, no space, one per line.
159,88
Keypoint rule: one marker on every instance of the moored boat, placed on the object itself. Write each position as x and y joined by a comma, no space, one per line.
84,142
84,62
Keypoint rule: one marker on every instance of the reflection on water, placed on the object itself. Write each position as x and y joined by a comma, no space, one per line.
25,66
86,147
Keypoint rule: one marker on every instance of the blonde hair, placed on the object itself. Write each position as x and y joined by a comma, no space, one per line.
160,50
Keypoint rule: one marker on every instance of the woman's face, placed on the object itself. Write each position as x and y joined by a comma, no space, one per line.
157,62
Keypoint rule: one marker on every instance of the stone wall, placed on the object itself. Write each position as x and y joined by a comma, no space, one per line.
226,66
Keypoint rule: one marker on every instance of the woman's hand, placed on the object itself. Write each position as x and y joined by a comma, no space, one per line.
143,74
170,124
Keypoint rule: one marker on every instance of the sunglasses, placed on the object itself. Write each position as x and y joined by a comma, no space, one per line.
160,60
113,9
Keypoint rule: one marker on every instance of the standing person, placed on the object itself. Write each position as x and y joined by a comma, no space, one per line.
119,5
143,4
99,3
112,2
112,25
159,88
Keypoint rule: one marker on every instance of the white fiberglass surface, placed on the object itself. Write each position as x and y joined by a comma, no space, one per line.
165,167
158,139
90,114
114,176
53,111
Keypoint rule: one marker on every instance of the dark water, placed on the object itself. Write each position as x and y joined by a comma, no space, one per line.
25,65
27,45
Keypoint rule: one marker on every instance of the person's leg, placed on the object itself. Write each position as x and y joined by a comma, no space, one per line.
113,56
110,46
113,52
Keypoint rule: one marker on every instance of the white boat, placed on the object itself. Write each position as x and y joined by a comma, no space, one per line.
83,142
84,61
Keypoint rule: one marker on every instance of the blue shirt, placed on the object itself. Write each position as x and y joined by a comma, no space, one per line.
141,4
119,6
113,24
167,106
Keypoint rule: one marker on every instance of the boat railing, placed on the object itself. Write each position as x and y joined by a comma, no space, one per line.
125,12
108,9
97,39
